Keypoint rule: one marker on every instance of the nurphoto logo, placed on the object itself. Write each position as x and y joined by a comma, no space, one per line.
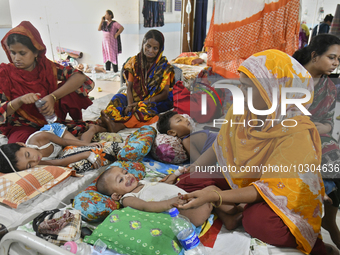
239,103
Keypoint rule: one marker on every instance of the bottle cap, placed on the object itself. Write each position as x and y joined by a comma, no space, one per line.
173,212
72,246
99,246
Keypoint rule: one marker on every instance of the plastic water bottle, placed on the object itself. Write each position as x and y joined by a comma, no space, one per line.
77,248
183,229
50,119
94,75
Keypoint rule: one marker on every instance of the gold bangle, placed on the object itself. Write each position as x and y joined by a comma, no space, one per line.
220,200
54,97
10,105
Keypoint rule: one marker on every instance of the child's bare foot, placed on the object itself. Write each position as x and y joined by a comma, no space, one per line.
230,221
111,126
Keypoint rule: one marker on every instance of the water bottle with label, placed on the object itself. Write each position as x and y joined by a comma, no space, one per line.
183,229
50,119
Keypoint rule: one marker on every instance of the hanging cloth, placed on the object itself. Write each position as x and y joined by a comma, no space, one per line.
335,27
200,24
153,13
241,28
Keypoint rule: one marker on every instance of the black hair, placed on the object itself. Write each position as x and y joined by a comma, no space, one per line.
163,123
102,185
23,39
319,44
110,13
154,34
329,17
9,150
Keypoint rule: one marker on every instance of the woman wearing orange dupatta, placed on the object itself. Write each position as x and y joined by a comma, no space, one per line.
30,72
284,208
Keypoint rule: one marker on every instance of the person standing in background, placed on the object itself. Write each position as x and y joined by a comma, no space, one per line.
111,44
303,35
324,26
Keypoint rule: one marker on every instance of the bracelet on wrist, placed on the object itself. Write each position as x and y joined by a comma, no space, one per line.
220,200
10,105
54,97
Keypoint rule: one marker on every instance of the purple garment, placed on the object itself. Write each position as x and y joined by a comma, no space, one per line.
211,136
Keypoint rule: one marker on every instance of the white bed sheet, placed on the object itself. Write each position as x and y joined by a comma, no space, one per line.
64,191
238,242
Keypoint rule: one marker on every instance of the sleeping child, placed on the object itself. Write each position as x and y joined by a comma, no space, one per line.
44,146
195,143
159,197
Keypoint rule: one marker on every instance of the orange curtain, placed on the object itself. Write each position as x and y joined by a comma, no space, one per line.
239,29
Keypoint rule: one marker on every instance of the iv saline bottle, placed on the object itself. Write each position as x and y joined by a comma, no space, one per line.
183,229
94,74
77,248
50,119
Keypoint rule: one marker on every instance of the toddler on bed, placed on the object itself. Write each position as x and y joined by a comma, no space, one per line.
44,146
195,143
159,197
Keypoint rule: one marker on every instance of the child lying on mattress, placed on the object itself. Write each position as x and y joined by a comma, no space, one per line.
175,124
159,197
43,147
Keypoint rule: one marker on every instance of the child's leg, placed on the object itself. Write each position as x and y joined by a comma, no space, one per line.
198,215
68,135
231,215
89,134
329,223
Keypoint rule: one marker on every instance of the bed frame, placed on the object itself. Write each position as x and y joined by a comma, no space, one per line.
34,242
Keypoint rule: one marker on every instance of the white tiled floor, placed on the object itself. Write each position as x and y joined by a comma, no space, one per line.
107,87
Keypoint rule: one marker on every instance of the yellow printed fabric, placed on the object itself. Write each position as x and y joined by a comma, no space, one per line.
292,191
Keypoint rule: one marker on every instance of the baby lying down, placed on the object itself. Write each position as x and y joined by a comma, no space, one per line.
159,197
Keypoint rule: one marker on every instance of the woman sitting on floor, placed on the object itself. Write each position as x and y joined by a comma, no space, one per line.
284,208
149,88
64,89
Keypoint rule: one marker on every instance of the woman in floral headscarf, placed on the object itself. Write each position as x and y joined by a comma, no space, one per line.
29,74
150,79
284,207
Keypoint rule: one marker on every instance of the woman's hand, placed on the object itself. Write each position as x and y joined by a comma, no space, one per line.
29,98
323,128
129,108
175,202
196,199
48,107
